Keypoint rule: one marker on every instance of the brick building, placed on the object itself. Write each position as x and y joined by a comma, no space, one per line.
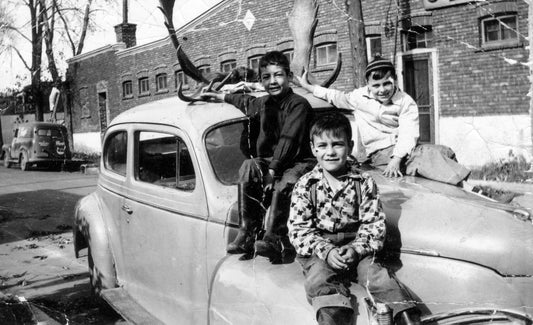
463,62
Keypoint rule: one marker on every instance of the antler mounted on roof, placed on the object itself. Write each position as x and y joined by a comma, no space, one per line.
302,23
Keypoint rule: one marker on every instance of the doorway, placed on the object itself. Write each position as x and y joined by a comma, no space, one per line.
418,83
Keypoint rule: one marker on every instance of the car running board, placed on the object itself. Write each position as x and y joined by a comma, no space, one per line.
128,308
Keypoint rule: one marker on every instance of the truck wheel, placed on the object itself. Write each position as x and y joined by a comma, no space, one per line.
7,163
24,164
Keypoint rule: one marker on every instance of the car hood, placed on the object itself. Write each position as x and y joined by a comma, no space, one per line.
427,217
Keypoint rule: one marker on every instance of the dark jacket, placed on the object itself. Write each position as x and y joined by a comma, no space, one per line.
284,126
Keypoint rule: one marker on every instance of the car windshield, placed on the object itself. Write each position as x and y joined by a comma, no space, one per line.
52,132
227,147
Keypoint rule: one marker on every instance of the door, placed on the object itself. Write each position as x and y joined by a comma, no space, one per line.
163,229
102,110
418,83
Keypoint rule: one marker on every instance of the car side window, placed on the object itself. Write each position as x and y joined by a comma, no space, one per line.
115,152
163,159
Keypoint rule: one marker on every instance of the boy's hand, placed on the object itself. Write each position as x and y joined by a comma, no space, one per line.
269,180
212,95
349,254
336,260
393,168
304,83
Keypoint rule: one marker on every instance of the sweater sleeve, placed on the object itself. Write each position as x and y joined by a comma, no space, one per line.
303,232
291,137
408,129
335,97
371,233
247,104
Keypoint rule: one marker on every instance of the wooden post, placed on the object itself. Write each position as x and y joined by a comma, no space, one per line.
356,28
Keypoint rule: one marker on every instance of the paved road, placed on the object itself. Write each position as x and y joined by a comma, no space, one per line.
37,259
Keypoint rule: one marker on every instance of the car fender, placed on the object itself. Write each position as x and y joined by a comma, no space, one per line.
90,231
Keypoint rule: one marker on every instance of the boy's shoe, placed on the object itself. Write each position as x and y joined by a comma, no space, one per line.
243,243
269,247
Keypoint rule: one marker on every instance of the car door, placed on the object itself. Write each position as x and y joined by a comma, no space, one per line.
163,228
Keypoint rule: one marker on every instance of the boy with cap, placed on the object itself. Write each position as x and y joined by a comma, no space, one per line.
387,122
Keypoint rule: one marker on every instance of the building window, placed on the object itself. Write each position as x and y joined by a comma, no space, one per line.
204,69
500,30
127,89
180,77
253,63
373,47
289,54
228,66
419,37
326,54
144,86
161,82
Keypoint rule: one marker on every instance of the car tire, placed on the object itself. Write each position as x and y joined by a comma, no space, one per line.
24,163
7,163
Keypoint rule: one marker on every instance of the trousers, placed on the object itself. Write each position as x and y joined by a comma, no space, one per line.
327,288
436,162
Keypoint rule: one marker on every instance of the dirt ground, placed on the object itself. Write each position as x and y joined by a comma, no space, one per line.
39,272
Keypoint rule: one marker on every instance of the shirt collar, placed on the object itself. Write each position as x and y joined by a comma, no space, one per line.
281,100
317,173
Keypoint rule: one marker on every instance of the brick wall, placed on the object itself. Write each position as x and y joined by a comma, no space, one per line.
471,81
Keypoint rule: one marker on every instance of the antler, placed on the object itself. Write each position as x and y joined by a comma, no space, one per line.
302,23
167,8
196,97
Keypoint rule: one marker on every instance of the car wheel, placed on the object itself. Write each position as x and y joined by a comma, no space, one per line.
7,163
24,164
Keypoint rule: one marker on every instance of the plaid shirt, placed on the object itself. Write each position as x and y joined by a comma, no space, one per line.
334,213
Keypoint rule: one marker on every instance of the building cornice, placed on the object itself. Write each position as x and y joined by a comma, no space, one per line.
107,48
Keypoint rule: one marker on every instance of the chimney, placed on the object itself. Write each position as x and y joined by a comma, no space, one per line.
126,32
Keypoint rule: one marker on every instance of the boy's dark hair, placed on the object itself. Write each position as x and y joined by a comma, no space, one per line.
275,58
378,69
334,123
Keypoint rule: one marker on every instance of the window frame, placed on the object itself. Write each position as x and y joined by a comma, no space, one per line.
251,59
180,76
428,40
232,64
105,151
368,39
127,94
179,143
289,54
329,60
144,81
500,42
163,78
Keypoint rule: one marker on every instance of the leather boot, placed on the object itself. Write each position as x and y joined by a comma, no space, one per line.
270,246
408,317
250,219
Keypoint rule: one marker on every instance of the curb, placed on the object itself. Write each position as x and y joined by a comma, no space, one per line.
89,169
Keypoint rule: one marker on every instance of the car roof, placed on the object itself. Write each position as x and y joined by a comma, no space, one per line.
197,116
175,112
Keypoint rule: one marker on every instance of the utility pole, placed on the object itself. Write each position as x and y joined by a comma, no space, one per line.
356,28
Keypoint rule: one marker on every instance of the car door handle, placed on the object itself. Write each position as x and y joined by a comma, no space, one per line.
127,209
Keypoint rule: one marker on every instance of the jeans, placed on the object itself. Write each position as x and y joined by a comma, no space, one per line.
328,290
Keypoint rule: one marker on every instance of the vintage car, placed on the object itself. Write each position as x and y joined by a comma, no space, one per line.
37,144
165,208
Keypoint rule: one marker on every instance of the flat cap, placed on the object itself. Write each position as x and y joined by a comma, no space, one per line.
378,63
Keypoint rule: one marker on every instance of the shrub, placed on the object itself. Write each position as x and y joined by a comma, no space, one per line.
512,168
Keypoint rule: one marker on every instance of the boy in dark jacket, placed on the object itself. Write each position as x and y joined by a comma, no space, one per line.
281,156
